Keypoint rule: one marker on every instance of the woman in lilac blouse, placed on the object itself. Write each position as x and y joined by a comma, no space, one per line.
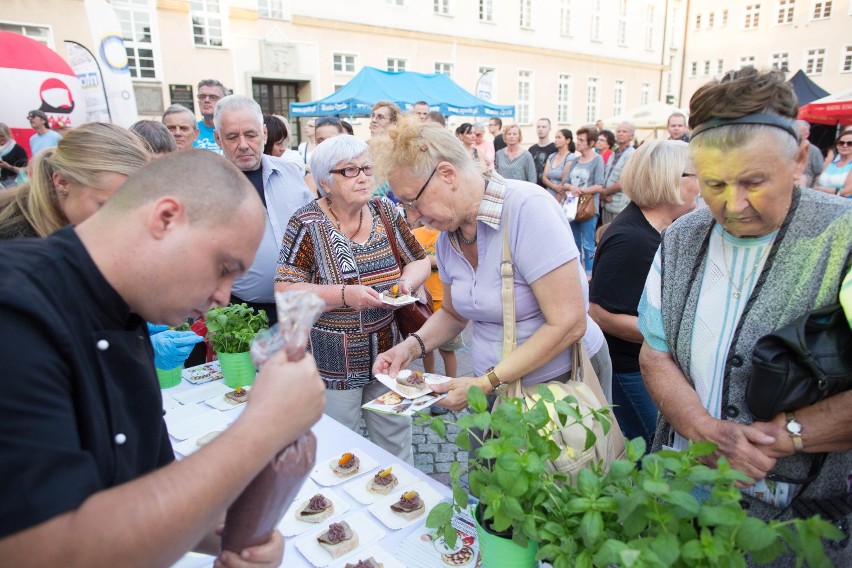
439,184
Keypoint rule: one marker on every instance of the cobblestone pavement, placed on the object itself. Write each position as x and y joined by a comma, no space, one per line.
432,455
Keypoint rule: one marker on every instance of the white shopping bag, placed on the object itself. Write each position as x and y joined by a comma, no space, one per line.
569,206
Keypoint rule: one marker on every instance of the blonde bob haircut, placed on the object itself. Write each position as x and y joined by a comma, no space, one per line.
418,147
652,176
395,111
509,127
80,157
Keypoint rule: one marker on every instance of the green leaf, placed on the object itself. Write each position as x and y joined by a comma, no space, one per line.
692,550
654,487
441,514
482,421
666,547
591,528
450,535
588,483
684,500
513,509
476,400
620,469
701,449
488,451
462,440
610,553
711,515
509,462
439,427
754,534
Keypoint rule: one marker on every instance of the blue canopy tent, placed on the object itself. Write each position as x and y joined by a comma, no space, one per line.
356,98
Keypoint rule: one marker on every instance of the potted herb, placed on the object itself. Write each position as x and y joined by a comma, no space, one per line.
632,515
230,330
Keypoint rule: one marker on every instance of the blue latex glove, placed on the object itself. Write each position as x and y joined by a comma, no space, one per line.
171,348
156,328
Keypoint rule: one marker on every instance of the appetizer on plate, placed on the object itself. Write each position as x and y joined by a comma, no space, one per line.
236,396
338,539
383,482
347,465
410,506
413,379
368,563
316,509
393,292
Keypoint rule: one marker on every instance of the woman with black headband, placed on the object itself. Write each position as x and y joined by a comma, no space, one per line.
763,253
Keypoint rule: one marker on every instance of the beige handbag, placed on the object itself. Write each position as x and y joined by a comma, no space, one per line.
582,384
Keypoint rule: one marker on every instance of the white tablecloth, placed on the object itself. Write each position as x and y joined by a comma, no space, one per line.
332,440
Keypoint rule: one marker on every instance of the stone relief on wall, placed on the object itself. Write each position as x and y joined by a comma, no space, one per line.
279,58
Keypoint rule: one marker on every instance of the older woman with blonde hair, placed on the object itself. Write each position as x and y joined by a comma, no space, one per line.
72,181
660,182
439,184
513,162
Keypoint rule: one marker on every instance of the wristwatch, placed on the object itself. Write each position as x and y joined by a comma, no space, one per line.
492,377
794,428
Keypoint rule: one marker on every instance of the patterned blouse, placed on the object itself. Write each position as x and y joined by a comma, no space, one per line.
344,341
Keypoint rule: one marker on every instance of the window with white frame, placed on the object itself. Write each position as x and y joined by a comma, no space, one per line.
711,20
564,96
524,106
596,20
822,10
272,9
526,14
693,69
786,10
815,61
645,94
135,17
707,64
396,64
206,22
343,62
39,33
565,18
486,10
444,68
720,66
724,18
442,7
618,97
752,16
746,60
846,59
649,27
697,21
780,61
593,99
621,34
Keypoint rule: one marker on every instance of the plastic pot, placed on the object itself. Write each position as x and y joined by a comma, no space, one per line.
498,550
237,369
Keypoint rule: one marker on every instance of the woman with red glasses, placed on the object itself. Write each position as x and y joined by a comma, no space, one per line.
835,177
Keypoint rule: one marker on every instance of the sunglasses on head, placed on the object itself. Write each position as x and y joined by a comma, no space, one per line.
327,120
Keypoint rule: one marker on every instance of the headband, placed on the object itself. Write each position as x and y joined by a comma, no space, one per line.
784,124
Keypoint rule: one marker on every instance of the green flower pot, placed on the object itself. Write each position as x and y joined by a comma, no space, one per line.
169,378
237,369
500,551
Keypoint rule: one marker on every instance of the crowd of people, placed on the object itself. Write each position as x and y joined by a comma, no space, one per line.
699,244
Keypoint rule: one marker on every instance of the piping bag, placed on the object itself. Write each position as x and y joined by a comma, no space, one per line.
252,518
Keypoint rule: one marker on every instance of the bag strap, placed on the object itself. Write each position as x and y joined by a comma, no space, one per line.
389,230
507,288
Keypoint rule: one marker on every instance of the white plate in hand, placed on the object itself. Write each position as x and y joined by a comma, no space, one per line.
403,300
382,511
375,552
368,533
403,390
324,475
433,379
358,487
291,525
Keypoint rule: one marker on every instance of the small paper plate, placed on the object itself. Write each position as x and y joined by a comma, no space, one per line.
382,511
308,488
324,475
219,402
201,393
375,552
358,488
403,390
368,533
397,302
291,526
433,379
203,373
199,425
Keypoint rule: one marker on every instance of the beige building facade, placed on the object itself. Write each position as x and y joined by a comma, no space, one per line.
572,61
811,35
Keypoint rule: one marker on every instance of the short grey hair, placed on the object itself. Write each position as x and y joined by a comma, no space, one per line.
628,125
733,136
803,125
236,102
213,83
178,109
325,156
156,135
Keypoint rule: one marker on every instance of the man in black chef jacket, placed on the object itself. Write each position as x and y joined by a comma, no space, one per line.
88,475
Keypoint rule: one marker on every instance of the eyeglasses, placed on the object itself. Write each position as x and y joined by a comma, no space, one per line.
687,175
354,171
213,98
844,142
413,203
327,120
378,117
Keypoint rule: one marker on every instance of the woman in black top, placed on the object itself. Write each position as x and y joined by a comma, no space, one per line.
12,157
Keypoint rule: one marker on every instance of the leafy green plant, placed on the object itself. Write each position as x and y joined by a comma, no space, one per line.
231,329
630,516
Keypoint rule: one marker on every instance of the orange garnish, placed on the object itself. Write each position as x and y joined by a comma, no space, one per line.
345,458
238,391
394,289
409,495
385,472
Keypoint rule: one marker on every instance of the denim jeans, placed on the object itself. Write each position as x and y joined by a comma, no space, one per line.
635,411
584,236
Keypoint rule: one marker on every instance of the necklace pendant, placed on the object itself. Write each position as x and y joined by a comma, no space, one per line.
736,295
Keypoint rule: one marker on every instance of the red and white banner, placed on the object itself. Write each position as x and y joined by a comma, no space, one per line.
34,77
